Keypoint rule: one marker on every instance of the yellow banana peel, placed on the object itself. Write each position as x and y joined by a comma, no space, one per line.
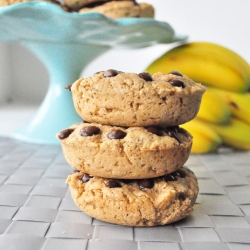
205,139
236,133
243,64
213,108
212,67
238,103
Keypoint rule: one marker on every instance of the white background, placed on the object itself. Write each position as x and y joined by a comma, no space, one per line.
23,78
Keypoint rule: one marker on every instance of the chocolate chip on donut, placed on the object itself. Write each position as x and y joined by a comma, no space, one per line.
113,184
65,133
177,83
110,73
154,130
175,72
146,183
117,134
90,130
145,76
68,87
86,178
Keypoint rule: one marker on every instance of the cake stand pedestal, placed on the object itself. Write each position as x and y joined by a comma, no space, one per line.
65,63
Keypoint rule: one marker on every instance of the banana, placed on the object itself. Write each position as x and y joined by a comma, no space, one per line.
235,133
234,56
239,103
213,108
212,67
205,139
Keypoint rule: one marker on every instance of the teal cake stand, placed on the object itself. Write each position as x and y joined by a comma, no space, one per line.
66,43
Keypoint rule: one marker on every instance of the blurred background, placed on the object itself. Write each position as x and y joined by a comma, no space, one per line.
24,79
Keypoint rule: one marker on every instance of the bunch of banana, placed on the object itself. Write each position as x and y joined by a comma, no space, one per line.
224,115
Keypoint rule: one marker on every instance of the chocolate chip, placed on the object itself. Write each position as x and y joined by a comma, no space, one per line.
113,184
147,183
172,132
145,76
177,83
110,73
175,72
179,173
90,130
154,130
65,133
181,196
68,87
86,178
169,177
117,134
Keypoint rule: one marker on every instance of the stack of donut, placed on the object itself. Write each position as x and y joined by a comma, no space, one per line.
128,153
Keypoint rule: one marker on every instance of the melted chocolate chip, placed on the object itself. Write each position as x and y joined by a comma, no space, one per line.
154,130
177,83
145,76
147,183
110,73
65,133
175,72
173,176
181,196
90,130
86,178
180,173
117,134
172,132
68,87
169,177
113,184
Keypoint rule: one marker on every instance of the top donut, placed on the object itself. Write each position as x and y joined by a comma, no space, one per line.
128,99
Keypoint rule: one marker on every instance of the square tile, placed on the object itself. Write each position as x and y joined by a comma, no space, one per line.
230,222
4,224
204,246
65,244
36,214
43,202
145,245
49,191
161,233
198,235
74,217
20,242
28,228
113,233
13,199
234,235
7,212
112,244
70,230
195,220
